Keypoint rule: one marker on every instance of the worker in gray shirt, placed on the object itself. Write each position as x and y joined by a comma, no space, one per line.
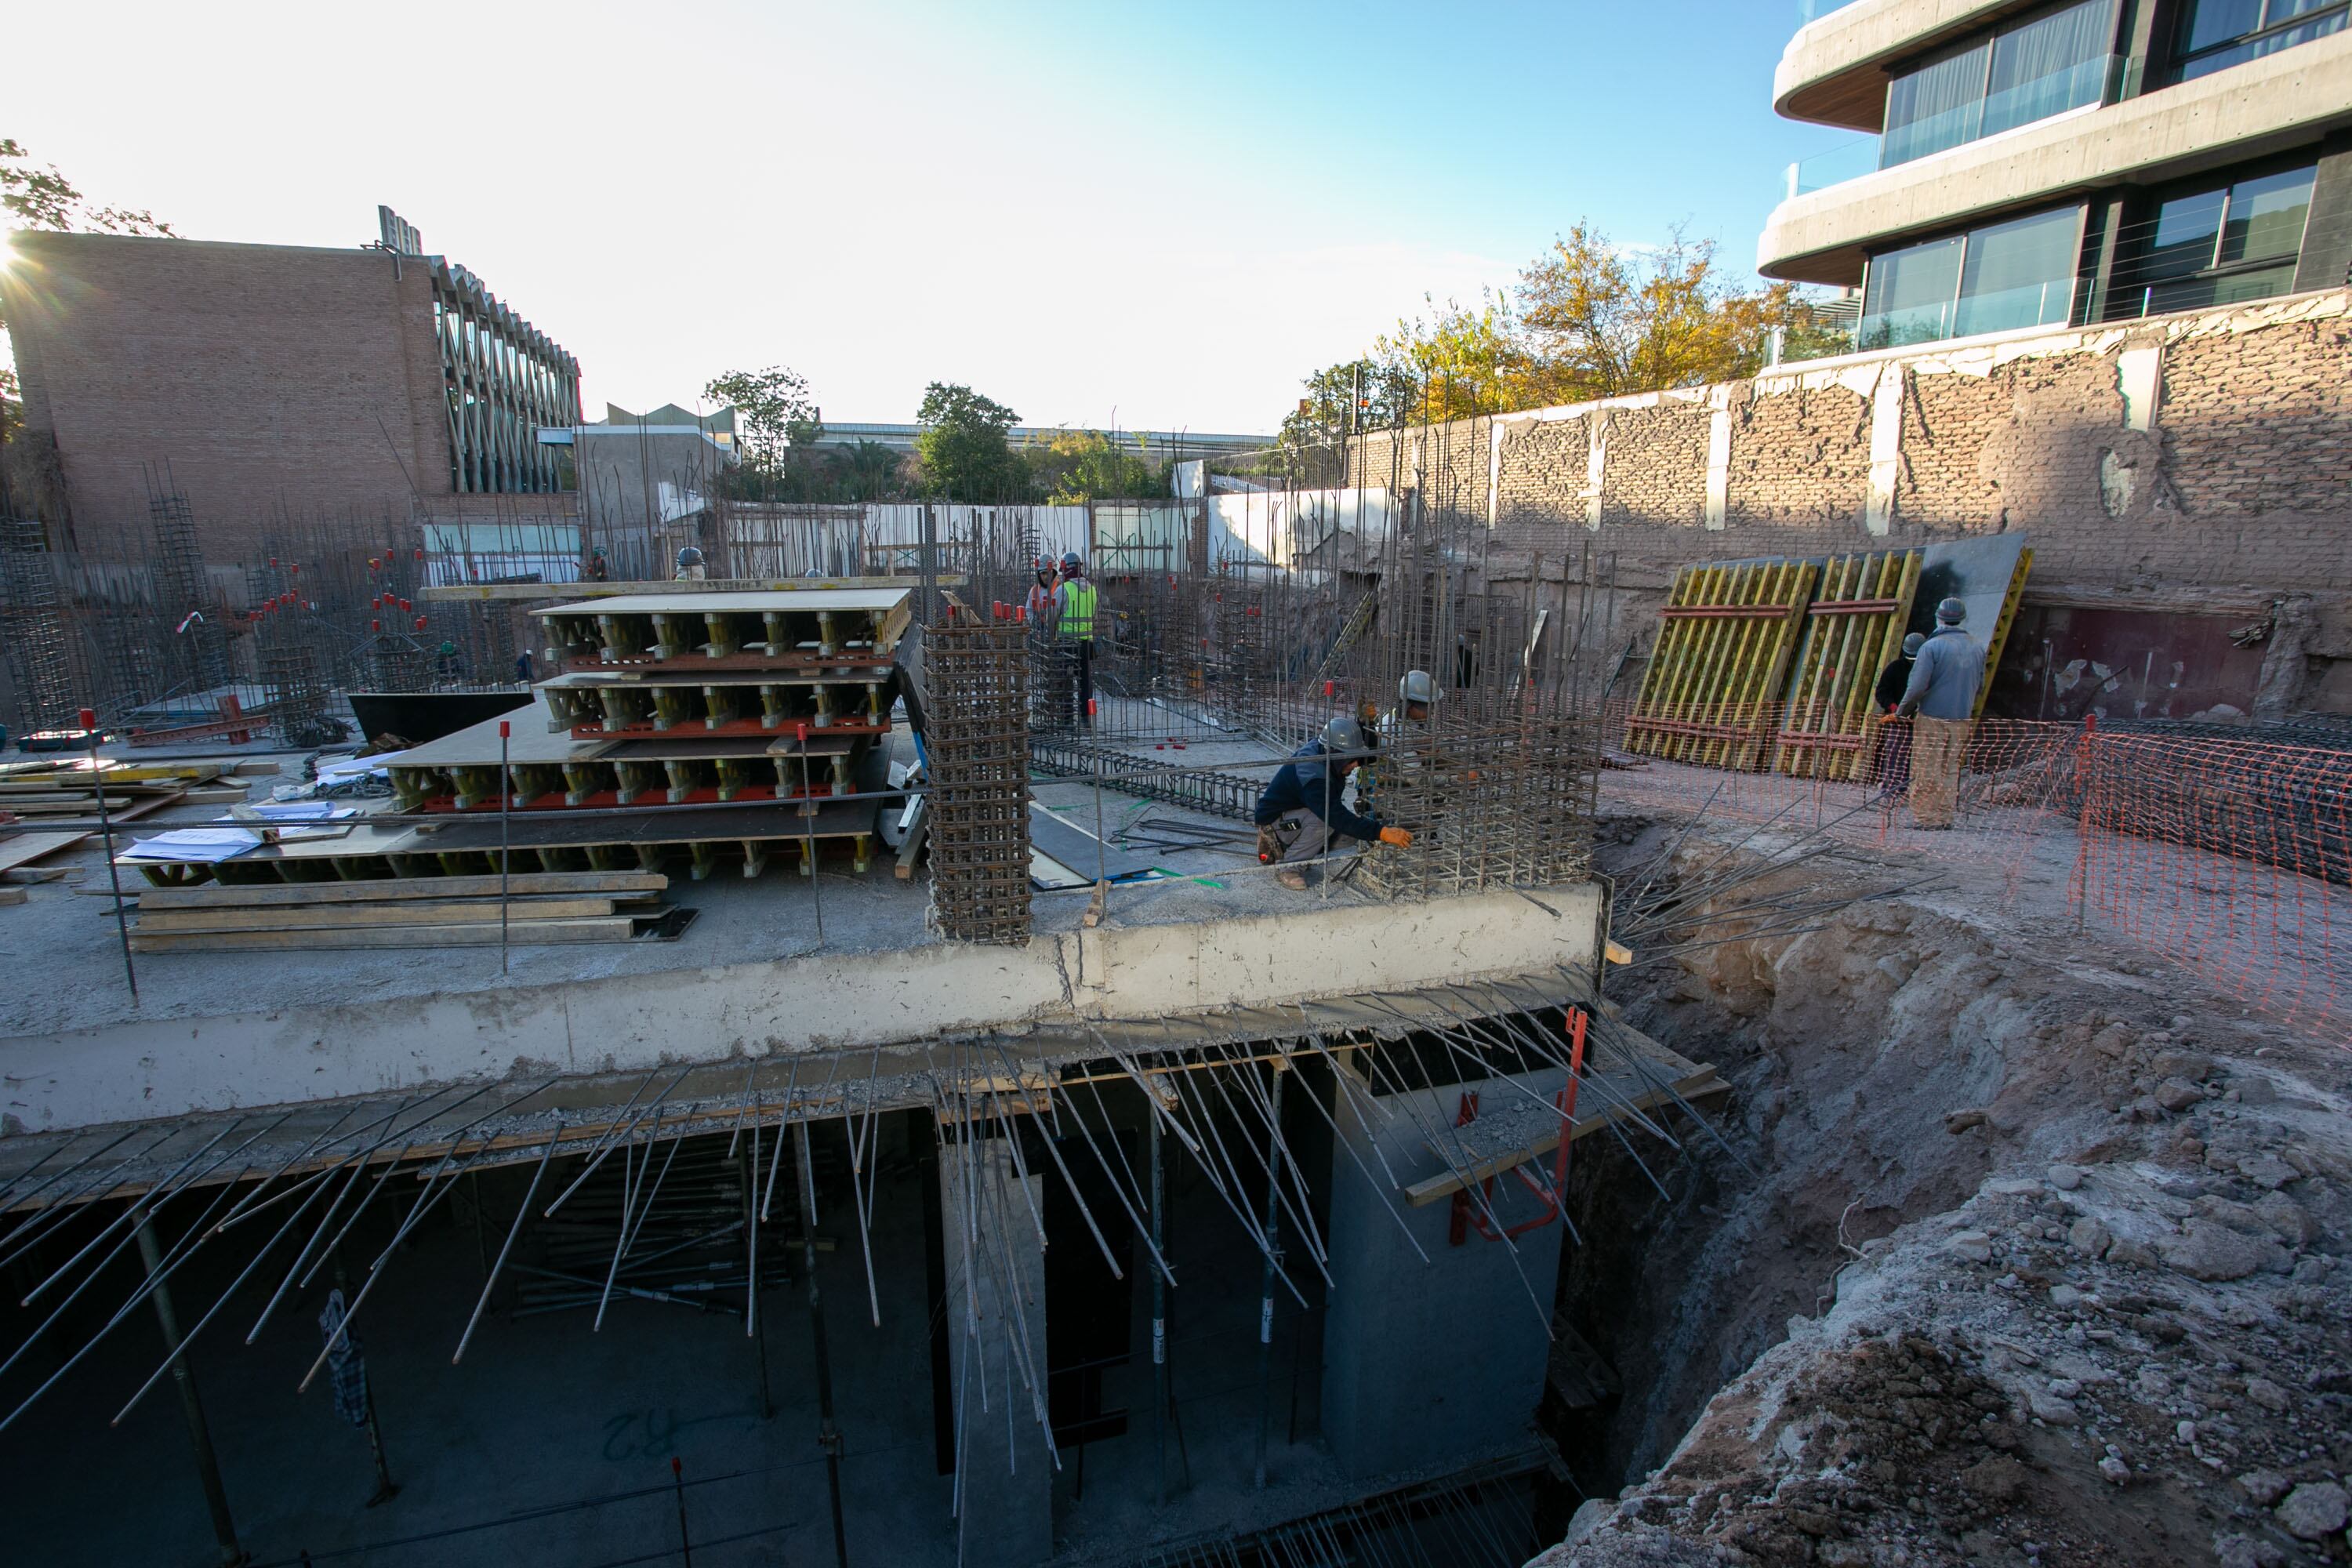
1941,703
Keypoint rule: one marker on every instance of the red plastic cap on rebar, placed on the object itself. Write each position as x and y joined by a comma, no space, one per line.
505,729
89,718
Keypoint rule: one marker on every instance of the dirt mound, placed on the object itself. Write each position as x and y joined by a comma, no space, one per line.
2058,1251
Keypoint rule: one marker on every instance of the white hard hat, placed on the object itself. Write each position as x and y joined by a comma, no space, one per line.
1417,686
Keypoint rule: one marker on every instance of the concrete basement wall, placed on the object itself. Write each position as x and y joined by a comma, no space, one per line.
138,1071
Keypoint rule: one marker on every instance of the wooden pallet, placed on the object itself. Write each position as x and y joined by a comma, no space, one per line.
1854,630
1713,681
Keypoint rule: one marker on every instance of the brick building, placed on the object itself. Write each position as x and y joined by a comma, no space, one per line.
280,384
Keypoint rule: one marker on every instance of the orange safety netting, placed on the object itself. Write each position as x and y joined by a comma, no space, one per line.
2232,857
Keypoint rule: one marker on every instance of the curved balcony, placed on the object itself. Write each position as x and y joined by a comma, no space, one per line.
1822,236
1834,71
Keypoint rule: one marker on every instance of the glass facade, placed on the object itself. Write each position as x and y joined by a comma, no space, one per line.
2218,34
2059,61
2214,244
2017,273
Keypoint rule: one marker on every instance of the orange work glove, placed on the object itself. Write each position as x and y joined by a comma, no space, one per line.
1397,836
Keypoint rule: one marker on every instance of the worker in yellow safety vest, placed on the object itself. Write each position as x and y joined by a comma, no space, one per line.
1074,634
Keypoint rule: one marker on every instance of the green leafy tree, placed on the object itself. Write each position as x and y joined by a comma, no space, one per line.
964,444
773,412
1078,466
1339,401
868,472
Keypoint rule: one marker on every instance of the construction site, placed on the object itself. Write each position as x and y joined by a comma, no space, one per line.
1485,999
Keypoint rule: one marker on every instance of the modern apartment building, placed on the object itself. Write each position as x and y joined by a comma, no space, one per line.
2051,164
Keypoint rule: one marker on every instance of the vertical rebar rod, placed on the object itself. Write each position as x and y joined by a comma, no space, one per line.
191,1405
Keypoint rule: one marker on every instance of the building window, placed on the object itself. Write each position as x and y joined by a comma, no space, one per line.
2215,245
2059,61
2218,34
1995,278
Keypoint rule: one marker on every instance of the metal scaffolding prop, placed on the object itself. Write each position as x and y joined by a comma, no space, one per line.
977,704
670,1188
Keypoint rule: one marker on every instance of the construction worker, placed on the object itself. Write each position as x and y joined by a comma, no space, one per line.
1416,699
1894,739
1040,593
1303,812
597,570
689,565
1940,700
1073,632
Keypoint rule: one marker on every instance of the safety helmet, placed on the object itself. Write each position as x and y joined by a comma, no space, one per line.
1417,686
1343,734
1912,644
1045,563
1071,563
689,556
1952,612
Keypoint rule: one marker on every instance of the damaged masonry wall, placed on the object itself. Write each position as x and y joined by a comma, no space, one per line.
2199,463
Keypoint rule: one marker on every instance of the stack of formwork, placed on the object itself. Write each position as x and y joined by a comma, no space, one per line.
976,680
659,703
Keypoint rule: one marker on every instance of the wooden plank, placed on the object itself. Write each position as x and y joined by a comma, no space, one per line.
529,933
215,896
343,917
26,847
1700,1085
13,896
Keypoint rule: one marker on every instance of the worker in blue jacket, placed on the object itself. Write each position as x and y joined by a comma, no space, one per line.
1303,813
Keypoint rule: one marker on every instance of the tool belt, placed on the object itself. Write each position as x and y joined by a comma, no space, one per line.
1275,839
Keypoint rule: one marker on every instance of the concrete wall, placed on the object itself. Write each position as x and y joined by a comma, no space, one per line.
2196,464
996,1345
279,1054
1400,1391
272,379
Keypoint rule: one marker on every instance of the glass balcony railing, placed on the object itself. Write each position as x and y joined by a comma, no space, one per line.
2047,304
2103,79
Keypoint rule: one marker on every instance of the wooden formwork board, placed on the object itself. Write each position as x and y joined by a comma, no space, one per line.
1999,638
522,884
1722,652
1854,630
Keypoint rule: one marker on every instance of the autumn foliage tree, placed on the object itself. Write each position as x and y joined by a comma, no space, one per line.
1588,319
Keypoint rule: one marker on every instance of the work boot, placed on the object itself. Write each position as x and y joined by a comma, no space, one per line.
1295,880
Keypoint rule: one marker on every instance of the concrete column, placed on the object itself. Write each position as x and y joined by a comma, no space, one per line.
1596,465
1435,1363
996,1339
1885,450
2327,261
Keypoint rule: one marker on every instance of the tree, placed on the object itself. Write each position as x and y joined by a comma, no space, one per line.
43,198
1341,400
1078,466
772,411
1601,322
965,447
1458,361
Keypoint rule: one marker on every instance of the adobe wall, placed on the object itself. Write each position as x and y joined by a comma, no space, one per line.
2196,464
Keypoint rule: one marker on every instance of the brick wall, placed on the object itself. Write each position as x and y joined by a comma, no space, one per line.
2185,465
275,381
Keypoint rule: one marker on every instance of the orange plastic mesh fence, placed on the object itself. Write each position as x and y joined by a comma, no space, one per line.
2232,857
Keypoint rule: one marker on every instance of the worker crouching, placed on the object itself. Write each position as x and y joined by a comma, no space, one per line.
1303,813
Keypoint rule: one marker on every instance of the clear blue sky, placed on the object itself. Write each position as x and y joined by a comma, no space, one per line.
1163,215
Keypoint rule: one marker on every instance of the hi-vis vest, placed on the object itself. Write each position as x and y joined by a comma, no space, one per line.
1077,610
